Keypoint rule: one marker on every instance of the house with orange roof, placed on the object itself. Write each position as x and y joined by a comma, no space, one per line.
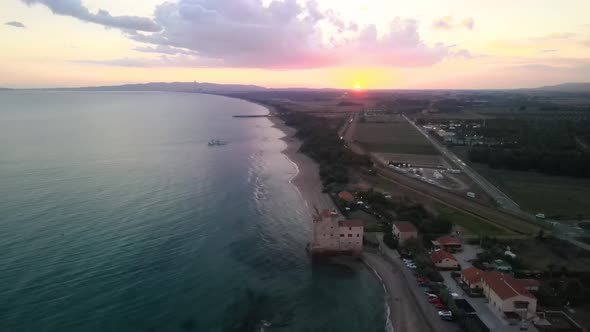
448,243
444,260
472,277
507,295
346,196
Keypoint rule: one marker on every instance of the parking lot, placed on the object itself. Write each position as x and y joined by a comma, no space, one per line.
488,316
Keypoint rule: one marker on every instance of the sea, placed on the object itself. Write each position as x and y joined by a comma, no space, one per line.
116,215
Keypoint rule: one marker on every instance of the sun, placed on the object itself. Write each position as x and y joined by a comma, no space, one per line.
357,86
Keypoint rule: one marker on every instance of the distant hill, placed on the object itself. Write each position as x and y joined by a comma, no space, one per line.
174,87
566,87
5,89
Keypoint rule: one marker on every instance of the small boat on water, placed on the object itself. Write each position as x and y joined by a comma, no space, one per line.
216,142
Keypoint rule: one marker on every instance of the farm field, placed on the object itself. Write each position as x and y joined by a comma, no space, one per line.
469,223
392,137
559,197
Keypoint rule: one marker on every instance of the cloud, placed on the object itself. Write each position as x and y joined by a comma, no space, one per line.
468,23
15,24
448,23
550,50
282,35
443,23
75,8
163,49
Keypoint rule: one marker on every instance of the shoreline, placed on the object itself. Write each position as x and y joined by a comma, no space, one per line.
398,316
307,179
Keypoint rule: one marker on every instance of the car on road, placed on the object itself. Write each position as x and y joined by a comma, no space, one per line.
445,315
421,280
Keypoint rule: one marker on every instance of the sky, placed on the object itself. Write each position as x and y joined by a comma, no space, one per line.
418,44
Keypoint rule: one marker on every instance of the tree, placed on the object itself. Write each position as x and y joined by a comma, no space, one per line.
541,235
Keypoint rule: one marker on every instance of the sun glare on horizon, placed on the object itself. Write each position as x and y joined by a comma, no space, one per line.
357,86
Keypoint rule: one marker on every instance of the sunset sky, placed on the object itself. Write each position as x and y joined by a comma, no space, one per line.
290,43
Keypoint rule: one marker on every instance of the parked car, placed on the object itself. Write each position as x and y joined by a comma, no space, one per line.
421,280
445,315
434,300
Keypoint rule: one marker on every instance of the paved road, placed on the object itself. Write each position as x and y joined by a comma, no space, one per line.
502,199
560,230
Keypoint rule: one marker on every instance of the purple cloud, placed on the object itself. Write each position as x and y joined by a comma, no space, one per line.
75,8
282,35
15,24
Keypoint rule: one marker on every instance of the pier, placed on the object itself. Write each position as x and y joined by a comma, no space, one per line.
252,116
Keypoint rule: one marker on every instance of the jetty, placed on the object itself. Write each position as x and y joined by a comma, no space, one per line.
252,116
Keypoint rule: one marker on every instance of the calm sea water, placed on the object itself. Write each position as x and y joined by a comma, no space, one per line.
115,215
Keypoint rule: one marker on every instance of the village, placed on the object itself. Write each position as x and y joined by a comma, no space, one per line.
459,280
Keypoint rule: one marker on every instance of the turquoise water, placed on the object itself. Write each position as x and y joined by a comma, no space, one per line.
115,215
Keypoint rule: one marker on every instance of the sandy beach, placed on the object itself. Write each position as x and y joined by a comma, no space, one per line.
405,313
307,180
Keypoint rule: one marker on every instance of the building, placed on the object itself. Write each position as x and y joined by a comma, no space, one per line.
508,296
472,277
334,236
444,260
346,196
404,231
532,285
448,243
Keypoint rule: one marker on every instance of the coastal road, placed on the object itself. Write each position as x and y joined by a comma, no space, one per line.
406,314
501,198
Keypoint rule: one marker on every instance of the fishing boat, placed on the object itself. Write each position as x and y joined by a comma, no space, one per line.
216,142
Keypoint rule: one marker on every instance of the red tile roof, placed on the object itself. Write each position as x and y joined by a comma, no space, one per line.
472,274
529,283
438,256
405,227
346,196
351,223
448,240
505,286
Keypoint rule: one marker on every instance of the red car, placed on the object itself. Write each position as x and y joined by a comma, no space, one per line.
421,280
434,300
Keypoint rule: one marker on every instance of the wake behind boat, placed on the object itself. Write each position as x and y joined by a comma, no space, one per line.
216,142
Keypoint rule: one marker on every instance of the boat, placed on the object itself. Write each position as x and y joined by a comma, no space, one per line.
216,142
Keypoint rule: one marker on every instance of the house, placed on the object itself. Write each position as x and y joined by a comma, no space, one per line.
332,236
444,260
507,295
472,277
404,231
346,196
448,243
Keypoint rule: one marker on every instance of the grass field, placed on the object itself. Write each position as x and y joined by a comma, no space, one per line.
394,137
470,223
559,197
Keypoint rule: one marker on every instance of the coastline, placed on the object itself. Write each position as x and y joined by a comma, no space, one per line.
307,180
401,310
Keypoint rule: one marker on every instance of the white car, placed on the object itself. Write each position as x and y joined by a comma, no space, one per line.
445,315
411,266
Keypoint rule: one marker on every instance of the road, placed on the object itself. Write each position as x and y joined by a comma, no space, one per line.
560,230
501,198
